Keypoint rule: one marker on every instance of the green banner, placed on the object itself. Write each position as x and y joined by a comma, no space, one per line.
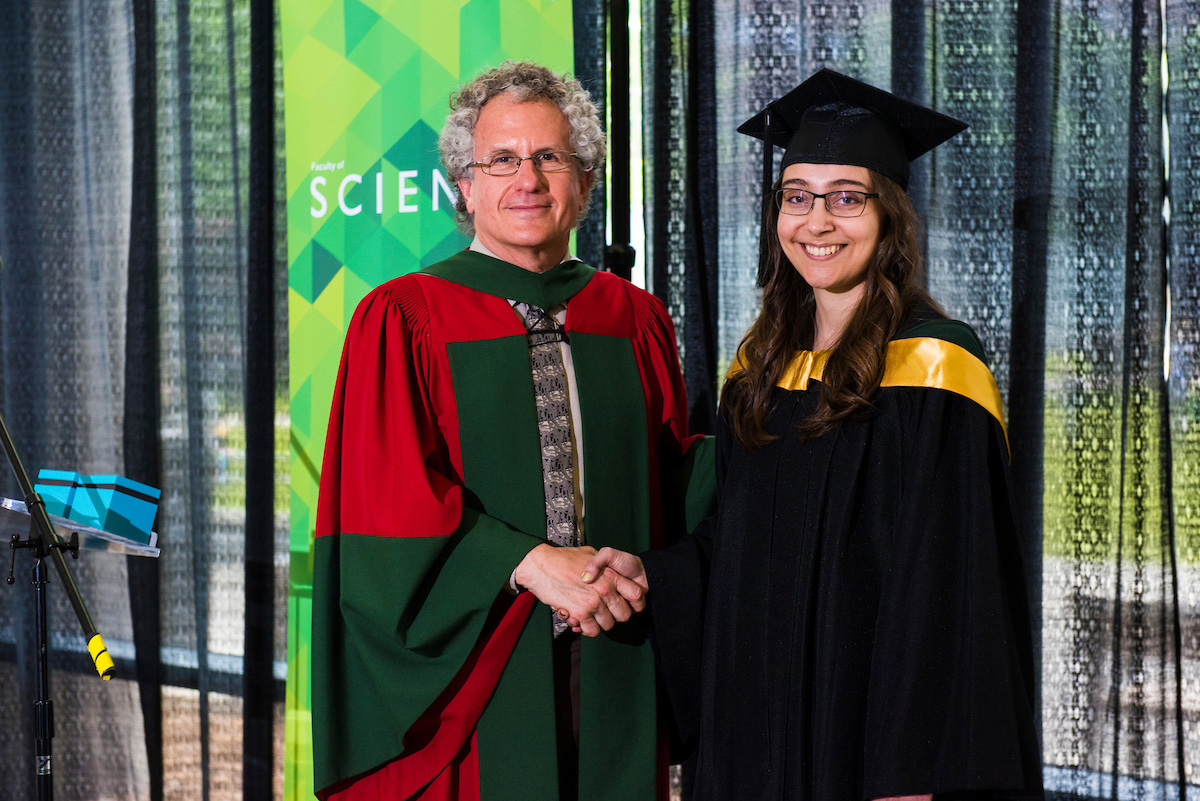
366,85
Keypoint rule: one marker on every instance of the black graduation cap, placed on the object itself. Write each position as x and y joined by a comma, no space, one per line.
834,119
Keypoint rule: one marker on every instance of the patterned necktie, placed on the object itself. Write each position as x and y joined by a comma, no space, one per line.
554,429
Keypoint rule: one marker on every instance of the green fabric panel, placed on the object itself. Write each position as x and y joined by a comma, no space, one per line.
953,331
409,607
618,719
502,465
516,734
615,451
504,280
698,482
618,722
497,424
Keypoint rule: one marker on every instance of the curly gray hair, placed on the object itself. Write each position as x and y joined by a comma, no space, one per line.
526,81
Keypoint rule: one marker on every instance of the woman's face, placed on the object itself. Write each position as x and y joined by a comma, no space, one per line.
831,253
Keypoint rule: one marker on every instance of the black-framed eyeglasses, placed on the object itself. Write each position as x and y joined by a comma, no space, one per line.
842,203
509,164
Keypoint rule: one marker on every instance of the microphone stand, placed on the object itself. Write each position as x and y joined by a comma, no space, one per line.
46,542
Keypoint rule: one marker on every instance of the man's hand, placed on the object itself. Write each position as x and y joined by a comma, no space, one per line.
553,575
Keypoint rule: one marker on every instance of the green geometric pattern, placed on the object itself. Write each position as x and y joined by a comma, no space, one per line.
366,84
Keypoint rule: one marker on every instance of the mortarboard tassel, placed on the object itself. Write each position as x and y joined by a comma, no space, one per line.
766,197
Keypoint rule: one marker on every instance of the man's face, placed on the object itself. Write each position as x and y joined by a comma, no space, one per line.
526,218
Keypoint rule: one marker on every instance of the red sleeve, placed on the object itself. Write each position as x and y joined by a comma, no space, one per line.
685,491
385,472
656,333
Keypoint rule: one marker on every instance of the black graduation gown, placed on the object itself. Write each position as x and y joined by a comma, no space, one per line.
852,622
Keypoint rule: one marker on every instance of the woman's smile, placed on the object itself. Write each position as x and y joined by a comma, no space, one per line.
820,252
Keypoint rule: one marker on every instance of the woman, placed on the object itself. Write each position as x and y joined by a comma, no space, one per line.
852,622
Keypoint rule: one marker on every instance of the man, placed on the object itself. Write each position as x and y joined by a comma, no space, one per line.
497,417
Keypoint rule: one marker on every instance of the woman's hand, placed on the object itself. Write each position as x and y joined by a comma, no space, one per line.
626,573
626,564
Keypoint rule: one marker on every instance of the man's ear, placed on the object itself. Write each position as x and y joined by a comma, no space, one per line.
464,189
585,183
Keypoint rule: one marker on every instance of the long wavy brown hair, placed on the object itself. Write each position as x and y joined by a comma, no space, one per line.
893,298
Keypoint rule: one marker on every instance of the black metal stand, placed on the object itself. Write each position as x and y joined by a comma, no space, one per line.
43,541
43,707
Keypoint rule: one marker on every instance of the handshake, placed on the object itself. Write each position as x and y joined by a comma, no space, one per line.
591,590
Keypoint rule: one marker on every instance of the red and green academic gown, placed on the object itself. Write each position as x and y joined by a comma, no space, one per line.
429,679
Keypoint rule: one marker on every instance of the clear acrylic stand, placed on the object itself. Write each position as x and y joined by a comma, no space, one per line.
14,519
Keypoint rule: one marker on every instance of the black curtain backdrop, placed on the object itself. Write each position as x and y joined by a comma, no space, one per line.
142,417
143,332
64,235
263,255
1063,226
1180,432
683,214
591,68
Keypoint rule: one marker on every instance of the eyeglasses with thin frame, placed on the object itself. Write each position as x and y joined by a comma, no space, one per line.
543,161
842,203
